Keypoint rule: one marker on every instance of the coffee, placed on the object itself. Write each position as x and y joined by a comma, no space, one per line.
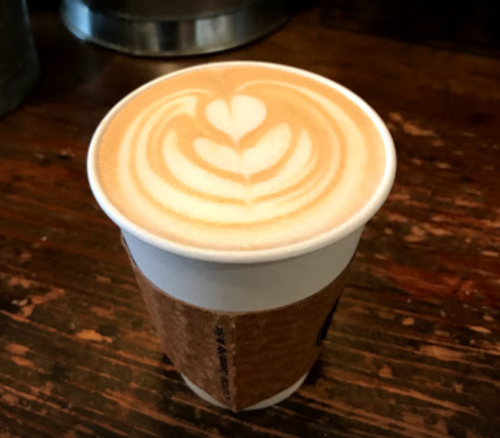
241,190
240,157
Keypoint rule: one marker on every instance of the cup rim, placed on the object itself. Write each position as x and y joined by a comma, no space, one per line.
357,220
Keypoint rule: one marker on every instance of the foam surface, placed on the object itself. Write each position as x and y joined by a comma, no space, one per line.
240,157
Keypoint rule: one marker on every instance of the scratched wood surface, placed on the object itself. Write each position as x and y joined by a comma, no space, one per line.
414,349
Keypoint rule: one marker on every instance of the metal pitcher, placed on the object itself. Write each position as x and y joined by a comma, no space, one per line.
166,28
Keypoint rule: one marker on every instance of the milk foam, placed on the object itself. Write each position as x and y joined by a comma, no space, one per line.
240,157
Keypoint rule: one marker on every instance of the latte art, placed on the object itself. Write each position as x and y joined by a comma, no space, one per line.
240,157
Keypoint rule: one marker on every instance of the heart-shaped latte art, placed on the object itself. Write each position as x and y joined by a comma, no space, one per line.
240,158
238,117
264,154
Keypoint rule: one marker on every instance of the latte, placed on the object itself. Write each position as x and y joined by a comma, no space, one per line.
240,157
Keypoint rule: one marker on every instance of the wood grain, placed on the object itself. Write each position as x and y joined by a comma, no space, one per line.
414,348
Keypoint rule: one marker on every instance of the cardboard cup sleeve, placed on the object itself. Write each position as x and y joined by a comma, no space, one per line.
242,358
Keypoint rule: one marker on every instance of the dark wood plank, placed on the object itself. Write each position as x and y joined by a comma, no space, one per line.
414,349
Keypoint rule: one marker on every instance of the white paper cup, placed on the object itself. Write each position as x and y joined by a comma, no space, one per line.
245,281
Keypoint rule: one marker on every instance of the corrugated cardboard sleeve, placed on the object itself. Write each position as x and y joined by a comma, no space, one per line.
241,358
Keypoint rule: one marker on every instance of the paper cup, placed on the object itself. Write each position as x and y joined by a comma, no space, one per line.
244,327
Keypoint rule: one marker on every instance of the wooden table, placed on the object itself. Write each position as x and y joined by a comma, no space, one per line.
414,349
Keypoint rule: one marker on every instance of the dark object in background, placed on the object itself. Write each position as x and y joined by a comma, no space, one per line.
18,61
173,28
470,25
